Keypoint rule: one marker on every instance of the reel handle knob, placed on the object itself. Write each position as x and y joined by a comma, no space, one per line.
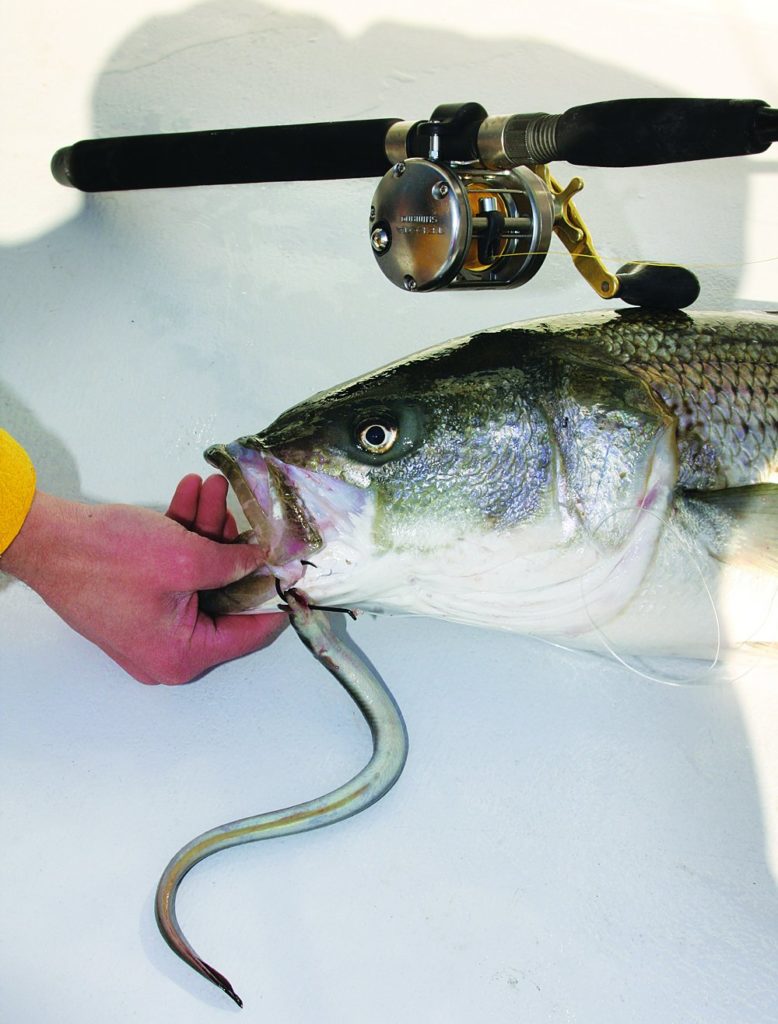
657,286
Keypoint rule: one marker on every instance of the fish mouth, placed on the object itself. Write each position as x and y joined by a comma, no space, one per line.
278,517
293,513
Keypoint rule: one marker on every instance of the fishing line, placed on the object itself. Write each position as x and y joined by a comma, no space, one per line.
474,189
624,259
678,536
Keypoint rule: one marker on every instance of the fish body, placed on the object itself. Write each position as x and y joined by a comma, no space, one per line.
607,477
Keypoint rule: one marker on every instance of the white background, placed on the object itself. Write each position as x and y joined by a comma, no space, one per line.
569,842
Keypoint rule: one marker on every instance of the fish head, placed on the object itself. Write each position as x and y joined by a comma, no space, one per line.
465,474
354,486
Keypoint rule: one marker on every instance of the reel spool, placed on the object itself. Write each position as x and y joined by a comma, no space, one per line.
434,226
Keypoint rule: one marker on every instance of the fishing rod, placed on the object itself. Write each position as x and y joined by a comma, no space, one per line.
466,200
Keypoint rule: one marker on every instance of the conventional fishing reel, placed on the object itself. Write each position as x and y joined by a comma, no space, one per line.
433,226
466,200
484,217
465,224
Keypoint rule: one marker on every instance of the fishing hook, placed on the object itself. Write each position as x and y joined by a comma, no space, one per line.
317,607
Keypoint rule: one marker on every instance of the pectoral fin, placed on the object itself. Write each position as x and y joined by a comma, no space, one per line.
742,525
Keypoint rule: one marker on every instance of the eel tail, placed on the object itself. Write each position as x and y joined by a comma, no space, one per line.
390,749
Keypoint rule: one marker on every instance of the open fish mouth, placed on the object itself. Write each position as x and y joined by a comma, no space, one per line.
276,512
294,514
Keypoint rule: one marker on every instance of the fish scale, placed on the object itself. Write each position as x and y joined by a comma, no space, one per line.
717,374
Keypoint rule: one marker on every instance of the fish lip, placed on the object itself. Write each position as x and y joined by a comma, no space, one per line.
219,456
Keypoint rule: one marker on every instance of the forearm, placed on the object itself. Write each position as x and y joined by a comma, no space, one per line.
51,534
65,553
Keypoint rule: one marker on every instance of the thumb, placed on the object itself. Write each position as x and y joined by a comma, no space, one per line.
218,564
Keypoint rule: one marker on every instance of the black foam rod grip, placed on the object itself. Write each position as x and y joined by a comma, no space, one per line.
297,152
657,285
631,133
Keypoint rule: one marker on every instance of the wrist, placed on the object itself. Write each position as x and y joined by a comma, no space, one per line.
45,535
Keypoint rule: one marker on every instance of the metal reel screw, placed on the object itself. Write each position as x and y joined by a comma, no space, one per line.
380,240
410,283
440,190
398,170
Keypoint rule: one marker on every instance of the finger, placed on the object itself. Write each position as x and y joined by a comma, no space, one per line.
183,505
232,636
230,528
212,508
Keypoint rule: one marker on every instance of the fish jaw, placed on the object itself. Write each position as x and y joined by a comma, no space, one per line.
299,516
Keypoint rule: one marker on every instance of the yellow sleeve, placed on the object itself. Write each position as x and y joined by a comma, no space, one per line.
17,487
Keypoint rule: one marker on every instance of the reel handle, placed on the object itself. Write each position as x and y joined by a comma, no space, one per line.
657,286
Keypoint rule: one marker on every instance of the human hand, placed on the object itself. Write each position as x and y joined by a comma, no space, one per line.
128,578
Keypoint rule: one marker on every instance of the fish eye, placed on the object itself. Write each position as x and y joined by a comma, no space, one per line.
377,435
